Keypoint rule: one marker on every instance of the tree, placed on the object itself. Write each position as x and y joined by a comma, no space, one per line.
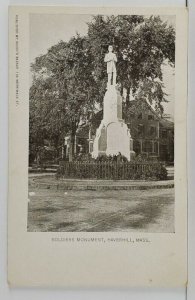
142,46
66,86
46,121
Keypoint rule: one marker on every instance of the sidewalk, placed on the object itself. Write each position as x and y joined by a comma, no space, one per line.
46,181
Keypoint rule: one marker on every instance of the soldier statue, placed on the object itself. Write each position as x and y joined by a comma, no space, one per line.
111,59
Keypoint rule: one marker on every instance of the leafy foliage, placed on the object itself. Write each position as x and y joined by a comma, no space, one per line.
63,91
142,45
71,77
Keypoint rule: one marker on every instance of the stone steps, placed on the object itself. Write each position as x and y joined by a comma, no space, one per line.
170,172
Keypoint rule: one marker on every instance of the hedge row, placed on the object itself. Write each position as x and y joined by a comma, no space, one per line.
112,170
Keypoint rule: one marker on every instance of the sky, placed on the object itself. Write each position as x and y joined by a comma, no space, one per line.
47,30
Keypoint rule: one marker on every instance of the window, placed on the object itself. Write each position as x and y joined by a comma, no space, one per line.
139,116
156,147
136,146
150,117
152,130
147,146
140,130
164,134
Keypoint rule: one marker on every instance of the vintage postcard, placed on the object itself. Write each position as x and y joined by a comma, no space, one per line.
97,147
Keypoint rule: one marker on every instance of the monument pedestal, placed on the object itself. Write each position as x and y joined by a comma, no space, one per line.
112,136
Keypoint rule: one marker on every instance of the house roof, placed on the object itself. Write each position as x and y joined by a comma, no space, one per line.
166,123
137,103
163,121
83,130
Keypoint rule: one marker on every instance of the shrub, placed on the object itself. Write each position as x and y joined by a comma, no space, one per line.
101,158
109,169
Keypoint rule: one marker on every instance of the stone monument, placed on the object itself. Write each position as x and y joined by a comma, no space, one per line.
113,136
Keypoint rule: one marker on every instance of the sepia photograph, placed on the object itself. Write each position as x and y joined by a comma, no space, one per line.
97,147
101,123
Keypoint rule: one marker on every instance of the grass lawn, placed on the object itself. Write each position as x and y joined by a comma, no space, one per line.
100,211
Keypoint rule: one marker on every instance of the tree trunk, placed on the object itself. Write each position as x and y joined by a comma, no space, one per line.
72,142
121,89
128,94
126,105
